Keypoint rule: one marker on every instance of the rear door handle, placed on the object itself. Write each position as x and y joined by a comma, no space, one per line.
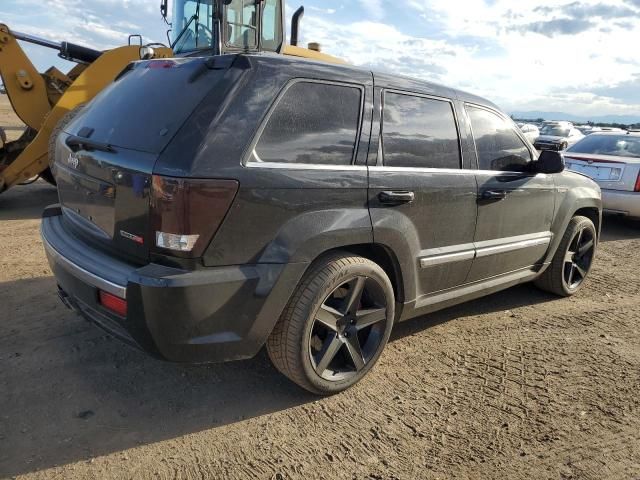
493,195
396,197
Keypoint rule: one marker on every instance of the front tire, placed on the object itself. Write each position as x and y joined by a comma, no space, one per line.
335,326
573,260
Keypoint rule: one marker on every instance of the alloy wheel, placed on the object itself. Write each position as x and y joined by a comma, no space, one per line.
348,329
578,259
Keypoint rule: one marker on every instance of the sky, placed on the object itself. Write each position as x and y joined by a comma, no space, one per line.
577,57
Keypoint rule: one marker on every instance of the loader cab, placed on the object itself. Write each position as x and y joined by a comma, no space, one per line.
226,26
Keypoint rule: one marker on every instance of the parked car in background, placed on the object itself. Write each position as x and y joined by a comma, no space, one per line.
530,131
612,129
613,161
588,129
256,200
558,136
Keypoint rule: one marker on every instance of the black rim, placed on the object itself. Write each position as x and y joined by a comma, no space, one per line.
577,261
348,329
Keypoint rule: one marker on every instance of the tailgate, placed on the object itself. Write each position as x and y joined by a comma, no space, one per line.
105,197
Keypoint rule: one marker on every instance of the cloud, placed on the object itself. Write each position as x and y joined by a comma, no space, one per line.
558,26
627,92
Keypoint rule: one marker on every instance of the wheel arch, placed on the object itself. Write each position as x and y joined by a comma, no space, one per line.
382,256
593,214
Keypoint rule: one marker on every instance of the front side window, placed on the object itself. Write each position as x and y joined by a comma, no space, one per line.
242,23
419,132
499,147
313,123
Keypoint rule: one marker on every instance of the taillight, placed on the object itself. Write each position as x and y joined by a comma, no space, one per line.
186,213
637,187
111,302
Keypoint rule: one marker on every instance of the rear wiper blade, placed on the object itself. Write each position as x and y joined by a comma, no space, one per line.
76,143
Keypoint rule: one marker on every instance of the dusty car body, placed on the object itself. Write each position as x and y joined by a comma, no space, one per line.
303,206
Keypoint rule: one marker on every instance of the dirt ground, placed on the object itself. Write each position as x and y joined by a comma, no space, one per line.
518,385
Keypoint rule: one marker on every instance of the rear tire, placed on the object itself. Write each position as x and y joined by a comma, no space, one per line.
335,326
573,260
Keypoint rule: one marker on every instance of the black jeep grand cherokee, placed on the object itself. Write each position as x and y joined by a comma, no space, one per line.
210,206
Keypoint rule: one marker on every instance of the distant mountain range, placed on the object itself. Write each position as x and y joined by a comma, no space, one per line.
625,119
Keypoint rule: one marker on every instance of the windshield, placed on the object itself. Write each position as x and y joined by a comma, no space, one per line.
192,25
616,145
554,131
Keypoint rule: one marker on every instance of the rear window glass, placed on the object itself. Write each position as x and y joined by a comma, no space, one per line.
616,145
313,123
419,132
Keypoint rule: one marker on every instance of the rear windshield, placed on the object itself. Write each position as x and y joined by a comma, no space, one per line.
616,145
144,109
555,131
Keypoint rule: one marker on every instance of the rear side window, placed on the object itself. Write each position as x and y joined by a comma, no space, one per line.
419,132
313,123
498,145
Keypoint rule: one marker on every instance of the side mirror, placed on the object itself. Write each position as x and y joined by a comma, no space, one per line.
164,8
550,162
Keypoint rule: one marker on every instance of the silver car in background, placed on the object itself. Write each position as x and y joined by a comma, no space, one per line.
530,131
558,136
612,159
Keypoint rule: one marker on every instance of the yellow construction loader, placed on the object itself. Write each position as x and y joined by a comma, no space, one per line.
47,101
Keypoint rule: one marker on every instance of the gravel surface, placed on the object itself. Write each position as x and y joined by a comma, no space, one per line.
518,385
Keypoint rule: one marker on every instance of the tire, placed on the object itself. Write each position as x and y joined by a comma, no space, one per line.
329,337
60,126
569,268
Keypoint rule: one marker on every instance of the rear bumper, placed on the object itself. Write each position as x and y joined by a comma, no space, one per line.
621,203
207,315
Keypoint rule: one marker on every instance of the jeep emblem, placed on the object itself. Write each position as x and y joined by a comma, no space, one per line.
73,160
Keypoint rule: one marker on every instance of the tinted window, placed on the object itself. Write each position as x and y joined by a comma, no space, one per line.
419,132
498,145
313,123
616,145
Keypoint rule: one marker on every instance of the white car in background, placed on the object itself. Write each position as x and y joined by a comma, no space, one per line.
558,136
530,131
588,129
612,159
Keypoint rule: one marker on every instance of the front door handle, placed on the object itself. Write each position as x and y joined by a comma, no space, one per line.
493,195
396,197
